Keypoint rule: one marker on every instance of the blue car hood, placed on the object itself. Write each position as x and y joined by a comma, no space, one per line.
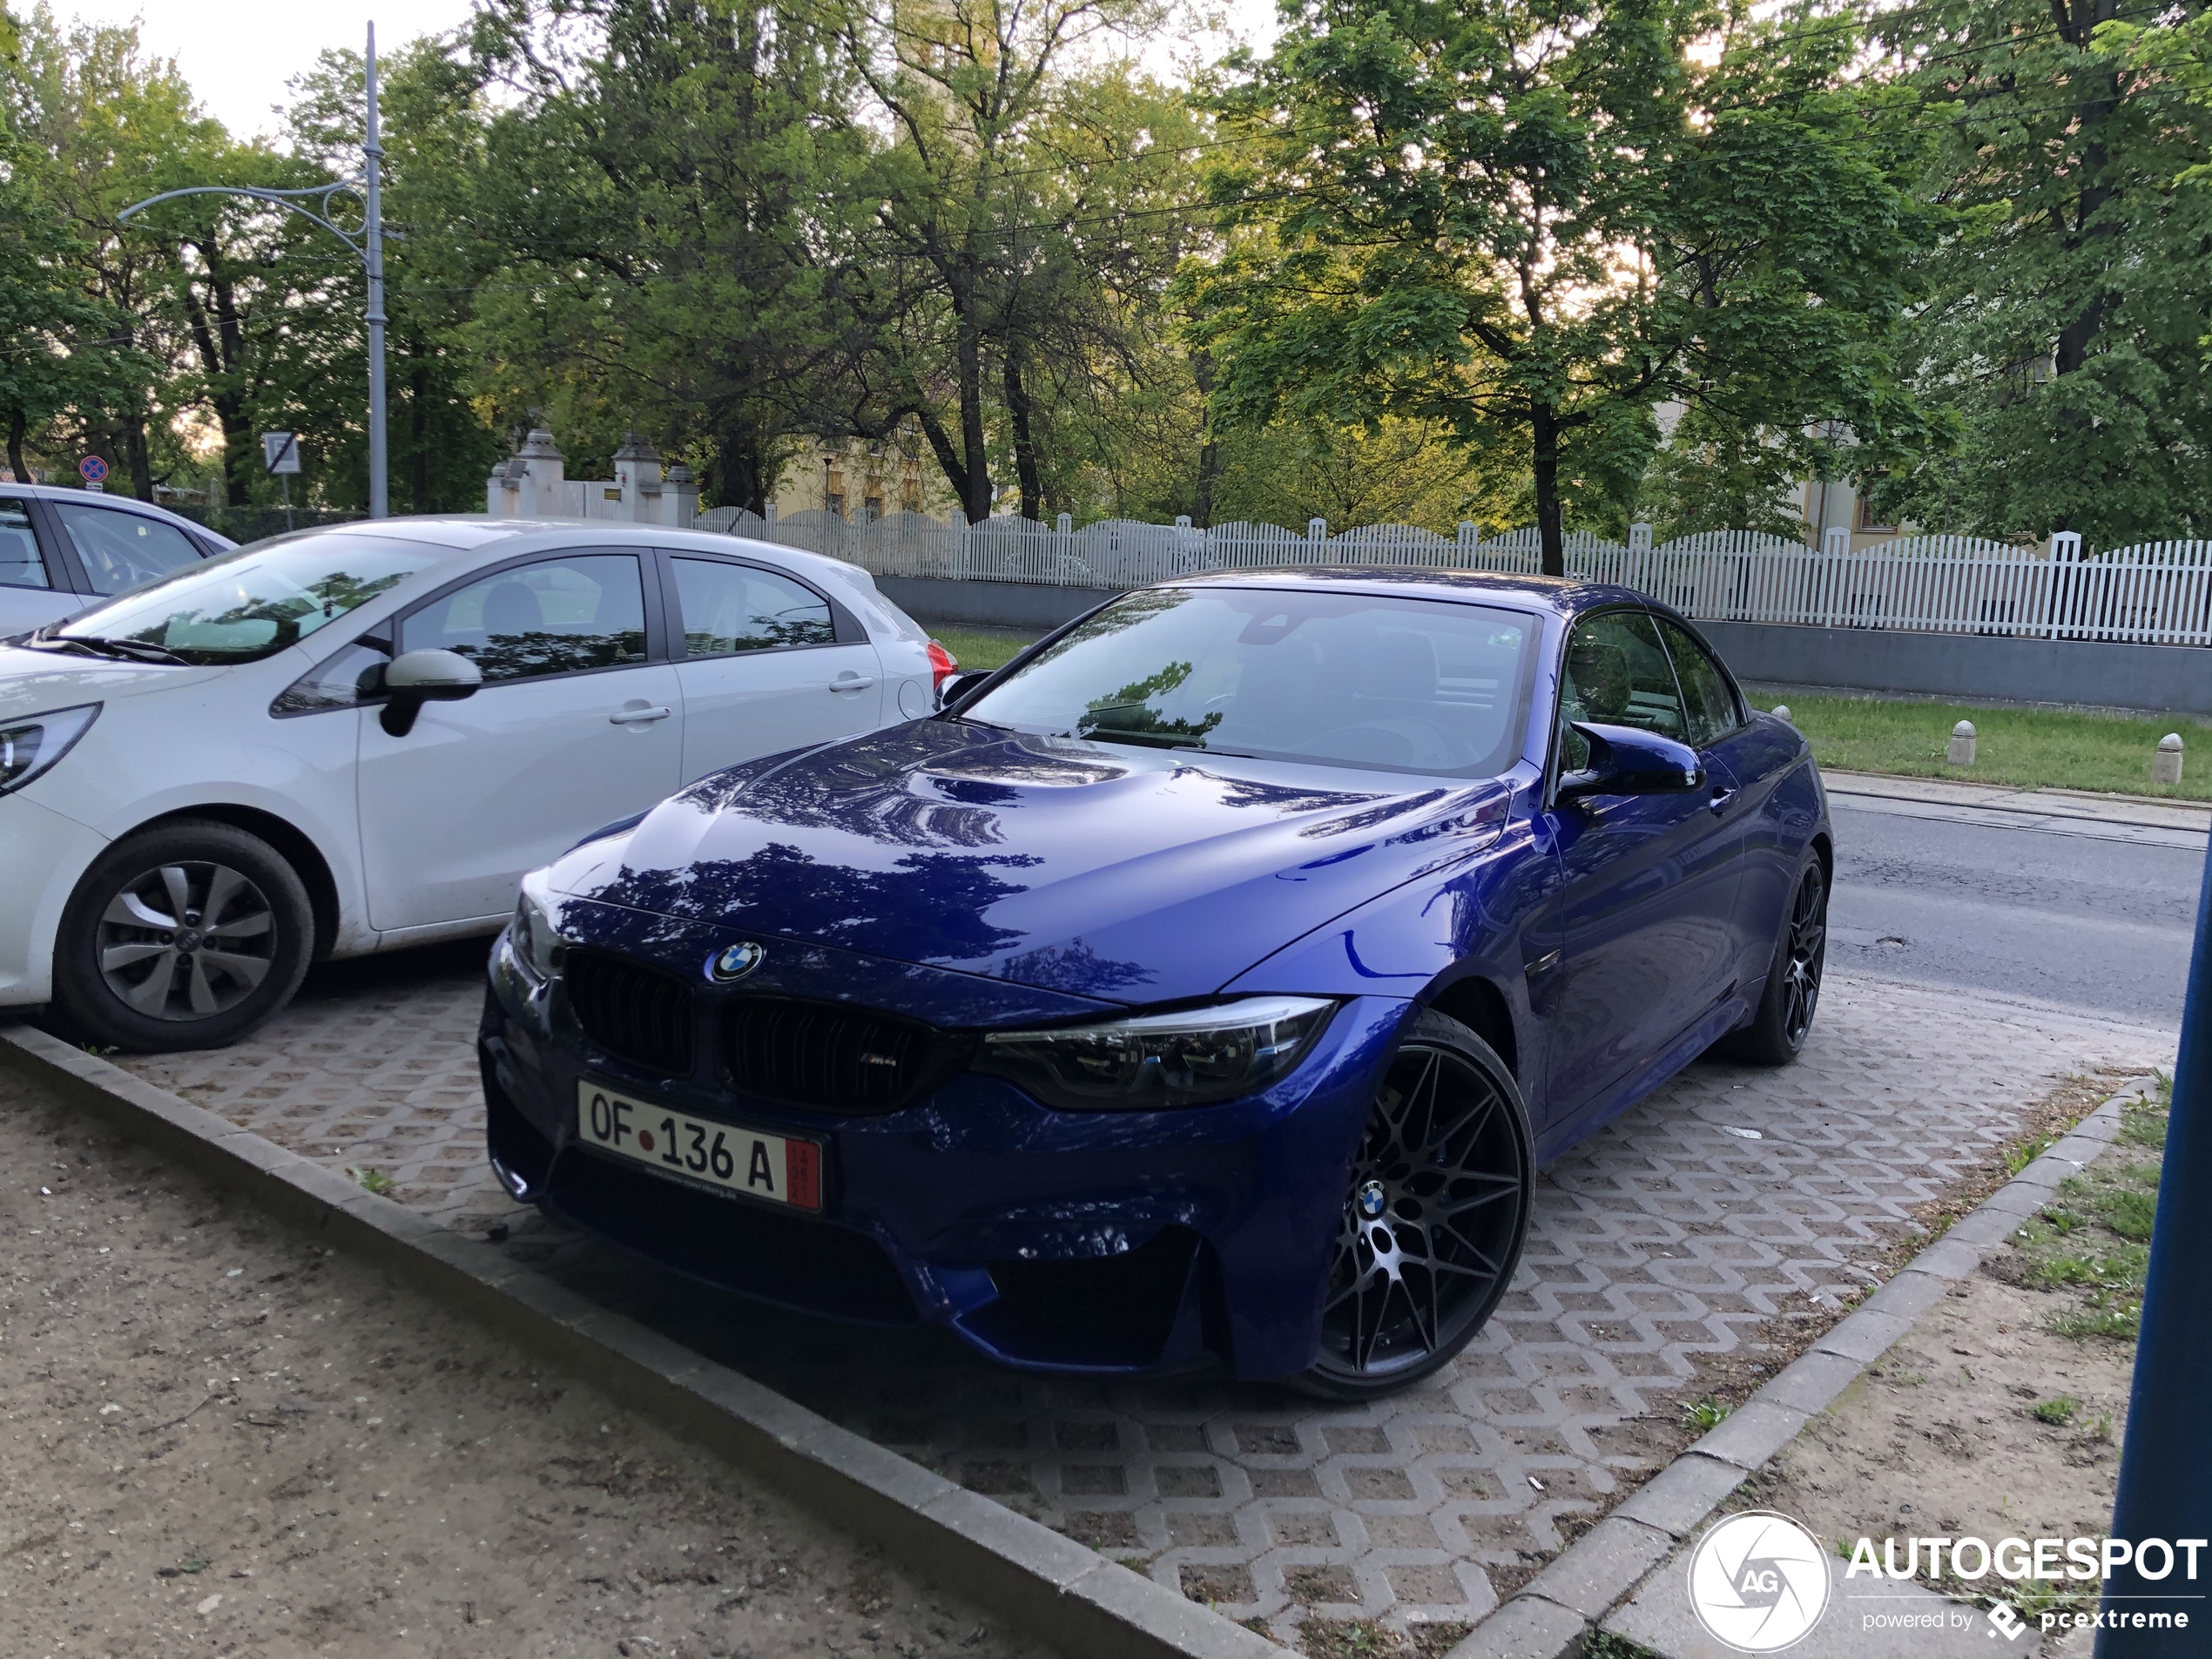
1105,871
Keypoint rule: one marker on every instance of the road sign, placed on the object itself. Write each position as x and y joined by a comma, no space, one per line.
92,469
281,451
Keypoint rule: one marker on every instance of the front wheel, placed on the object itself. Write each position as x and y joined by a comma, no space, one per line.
1777,1031
184,936
1433,1220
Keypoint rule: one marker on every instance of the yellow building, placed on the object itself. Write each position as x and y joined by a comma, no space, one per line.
865,479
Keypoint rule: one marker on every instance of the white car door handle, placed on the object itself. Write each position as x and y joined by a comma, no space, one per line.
849,681
638,717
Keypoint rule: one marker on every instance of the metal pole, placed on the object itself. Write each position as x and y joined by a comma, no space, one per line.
2166,1465
373,155
284,481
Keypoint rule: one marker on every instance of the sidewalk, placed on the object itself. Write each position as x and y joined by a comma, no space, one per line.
2143,819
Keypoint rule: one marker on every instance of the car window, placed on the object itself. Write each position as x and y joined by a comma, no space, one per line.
122,549
1707,701
258,601
20,565
733,607
560,615
1616,673
1340,679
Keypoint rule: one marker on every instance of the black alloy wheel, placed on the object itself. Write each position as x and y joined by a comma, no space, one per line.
1779,1028
1433,1220
186,935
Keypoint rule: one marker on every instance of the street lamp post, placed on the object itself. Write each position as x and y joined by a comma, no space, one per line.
368,245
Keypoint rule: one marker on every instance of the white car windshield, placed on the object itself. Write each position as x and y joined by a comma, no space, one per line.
250,603
1344,679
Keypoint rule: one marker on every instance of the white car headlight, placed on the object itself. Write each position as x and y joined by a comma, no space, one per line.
537,943
30,747
1192,1057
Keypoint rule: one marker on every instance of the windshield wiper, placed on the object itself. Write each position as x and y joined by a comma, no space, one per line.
128,651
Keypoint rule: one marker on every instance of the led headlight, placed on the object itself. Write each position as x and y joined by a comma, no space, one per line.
537,944
1193,1057
29,747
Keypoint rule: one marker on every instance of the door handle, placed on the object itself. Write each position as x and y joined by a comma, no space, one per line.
1720,799
639,717
849,681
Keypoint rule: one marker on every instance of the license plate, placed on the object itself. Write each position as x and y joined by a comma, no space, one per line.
772,1167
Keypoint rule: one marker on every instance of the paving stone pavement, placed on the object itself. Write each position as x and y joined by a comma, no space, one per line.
1732,1196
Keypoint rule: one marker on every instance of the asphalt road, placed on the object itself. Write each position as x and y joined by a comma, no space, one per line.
2088,919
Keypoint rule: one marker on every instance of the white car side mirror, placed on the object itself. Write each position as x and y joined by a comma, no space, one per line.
418,677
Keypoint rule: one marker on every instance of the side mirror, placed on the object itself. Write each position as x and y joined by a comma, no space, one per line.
958,685
418,677
1625,760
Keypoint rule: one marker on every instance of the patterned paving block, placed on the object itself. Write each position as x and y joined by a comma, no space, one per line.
1728,1198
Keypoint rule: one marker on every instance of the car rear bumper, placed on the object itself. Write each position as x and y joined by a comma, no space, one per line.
1048,1240
46,853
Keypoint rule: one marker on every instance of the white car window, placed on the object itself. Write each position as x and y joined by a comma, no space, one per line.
20,565
255,602
121,550
560,615
733,608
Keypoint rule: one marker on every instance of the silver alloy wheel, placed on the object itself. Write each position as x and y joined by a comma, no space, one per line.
186,940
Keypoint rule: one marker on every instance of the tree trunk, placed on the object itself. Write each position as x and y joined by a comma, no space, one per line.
949,461
137,458
16,425
1025,449
1544,433
1208,452
975,497
738,481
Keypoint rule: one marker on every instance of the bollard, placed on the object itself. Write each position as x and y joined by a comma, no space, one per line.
1782,712
2165,764
1961,752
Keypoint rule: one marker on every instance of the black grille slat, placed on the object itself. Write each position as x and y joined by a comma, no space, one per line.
823,1054
633,1012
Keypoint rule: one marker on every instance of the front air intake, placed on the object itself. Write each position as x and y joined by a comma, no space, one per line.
635,1013
827,1056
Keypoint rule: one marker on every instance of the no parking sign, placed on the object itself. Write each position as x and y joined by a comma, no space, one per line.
92,470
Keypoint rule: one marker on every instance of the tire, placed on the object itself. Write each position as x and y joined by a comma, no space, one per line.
1410,1284
130,972
1777,1031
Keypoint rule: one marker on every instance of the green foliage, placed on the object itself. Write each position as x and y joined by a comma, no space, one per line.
1705,1415
2058,1411
1533,225
2091,1246
2071,294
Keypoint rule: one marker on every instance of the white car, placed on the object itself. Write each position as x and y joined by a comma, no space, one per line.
62,549
355,738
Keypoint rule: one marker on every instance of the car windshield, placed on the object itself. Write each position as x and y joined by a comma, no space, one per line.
250,603
1344,679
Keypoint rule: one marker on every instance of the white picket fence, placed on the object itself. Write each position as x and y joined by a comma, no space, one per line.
2156,593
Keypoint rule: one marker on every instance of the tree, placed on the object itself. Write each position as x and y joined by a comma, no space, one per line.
1532,224
2072,297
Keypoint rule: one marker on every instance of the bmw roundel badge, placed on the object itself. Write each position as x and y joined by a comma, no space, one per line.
735,962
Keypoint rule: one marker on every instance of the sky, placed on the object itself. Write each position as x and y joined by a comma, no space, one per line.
238,54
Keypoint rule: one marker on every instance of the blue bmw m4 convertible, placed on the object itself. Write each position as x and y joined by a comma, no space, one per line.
1202,988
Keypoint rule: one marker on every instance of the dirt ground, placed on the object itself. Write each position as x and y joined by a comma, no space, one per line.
1984,1420
216,1436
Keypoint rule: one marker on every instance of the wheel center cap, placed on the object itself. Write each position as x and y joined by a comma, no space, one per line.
188,940
1372,1199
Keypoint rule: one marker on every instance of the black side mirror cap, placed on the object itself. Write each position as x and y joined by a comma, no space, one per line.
959,685
1627,760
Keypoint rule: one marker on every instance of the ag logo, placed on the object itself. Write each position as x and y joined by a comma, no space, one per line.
1759,1582
735,962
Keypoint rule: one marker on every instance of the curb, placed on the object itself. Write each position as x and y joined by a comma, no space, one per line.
1554,1613
1060,1592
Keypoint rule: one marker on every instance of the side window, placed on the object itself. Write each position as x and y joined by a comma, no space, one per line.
560,615
122,549
734,607
20,565
1616,674
1710,704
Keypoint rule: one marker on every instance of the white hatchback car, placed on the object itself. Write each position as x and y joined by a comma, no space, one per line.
359,737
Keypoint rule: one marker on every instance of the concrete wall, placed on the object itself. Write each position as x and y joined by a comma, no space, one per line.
2174,678
2171,678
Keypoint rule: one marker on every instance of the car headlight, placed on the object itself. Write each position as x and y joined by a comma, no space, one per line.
1193,1057
537,943
29,747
